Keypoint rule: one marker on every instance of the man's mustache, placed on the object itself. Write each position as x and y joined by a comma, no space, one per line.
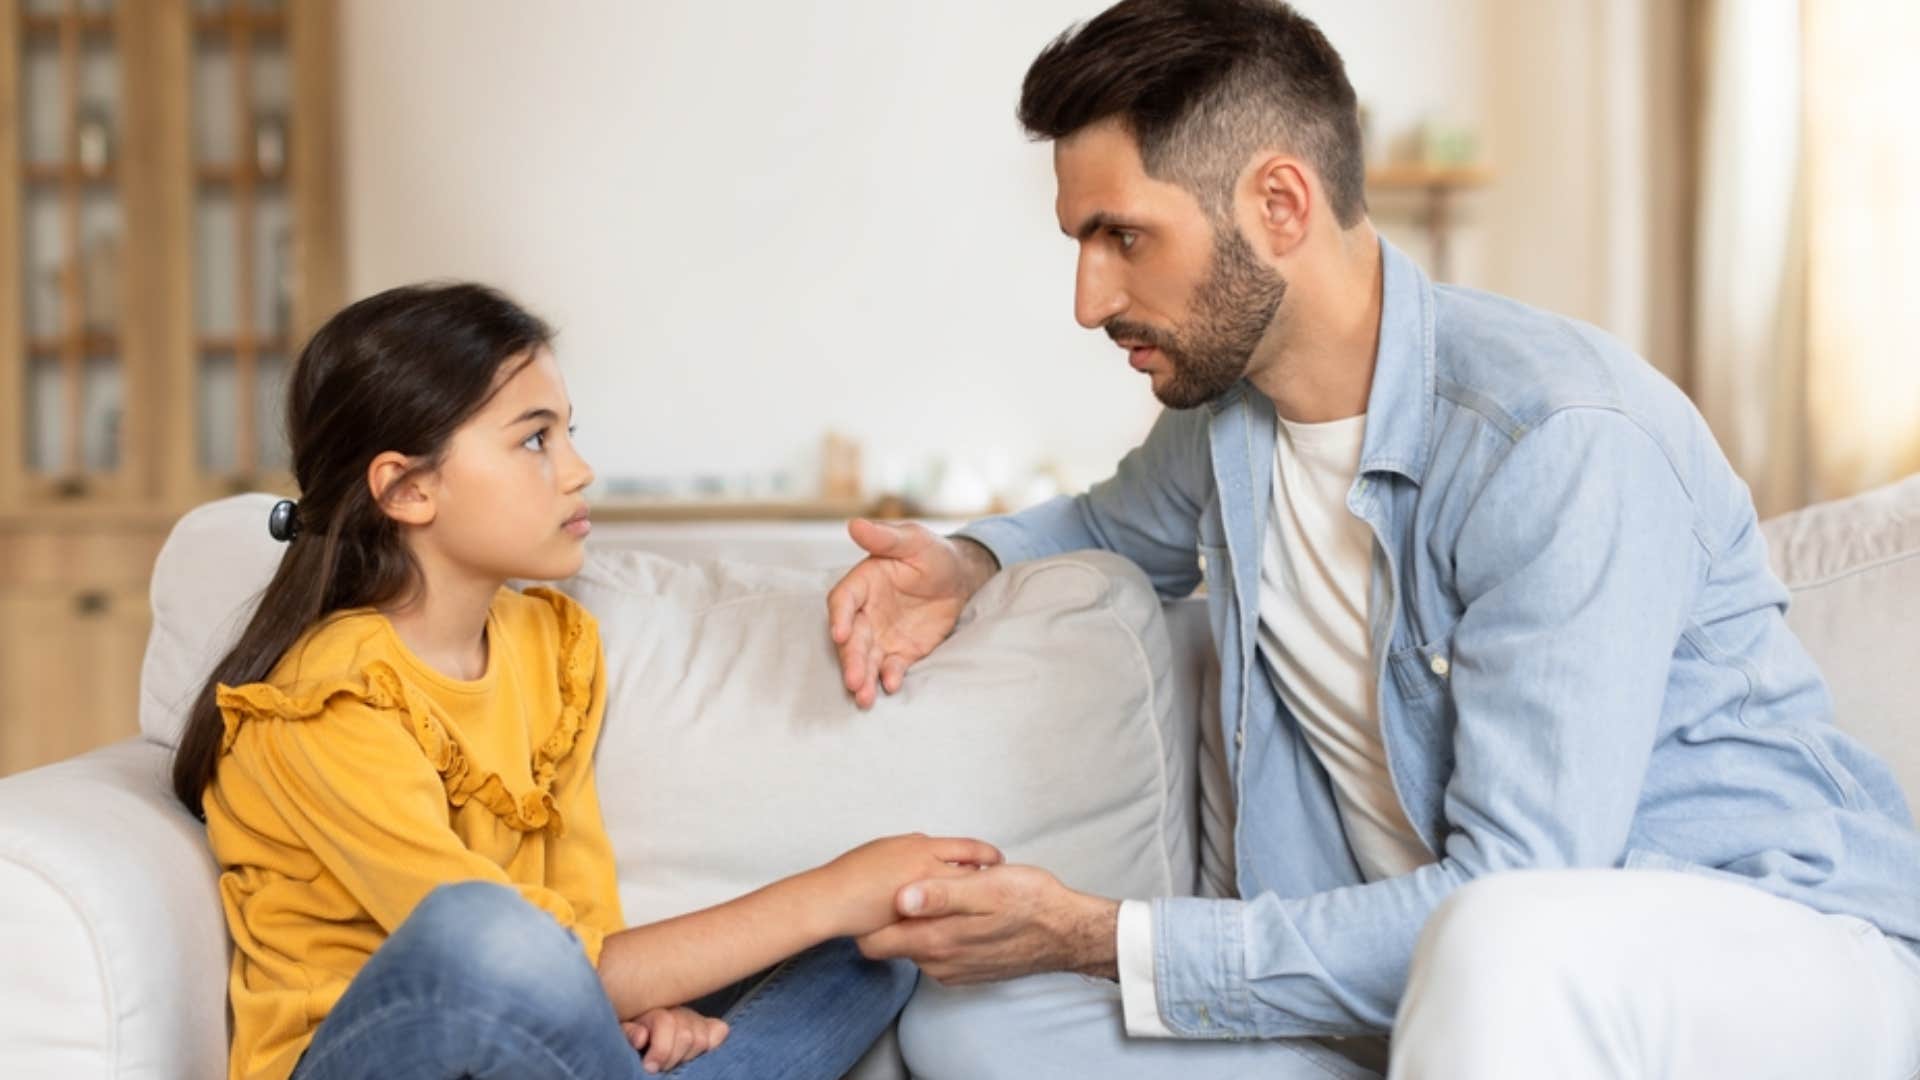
1144,335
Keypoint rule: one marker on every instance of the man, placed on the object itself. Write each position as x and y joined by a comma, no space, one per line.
1526,766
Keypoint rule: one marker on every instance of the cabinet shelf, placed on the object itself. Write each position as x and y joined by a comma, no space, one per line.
215,176
58,173
255,21
89,344
269,344
93,24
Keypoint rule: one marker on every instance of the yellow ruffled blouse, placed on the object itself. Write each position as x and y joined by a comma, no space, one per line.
356,779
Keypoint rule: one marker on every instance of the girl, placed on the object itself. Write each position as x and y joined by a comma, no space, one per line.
395,762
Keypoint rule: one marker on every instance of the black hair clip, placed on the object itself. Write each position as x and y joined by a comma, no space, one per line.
283,522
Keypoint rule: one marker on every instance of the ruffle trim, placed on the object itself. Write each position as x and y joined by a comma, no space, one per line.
381,687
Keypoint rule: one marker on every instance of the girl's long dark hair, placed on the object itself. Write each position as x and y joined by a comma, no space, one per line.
398,371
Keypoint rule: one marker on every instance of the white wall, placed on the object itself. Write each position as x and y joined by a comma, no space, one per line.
757,221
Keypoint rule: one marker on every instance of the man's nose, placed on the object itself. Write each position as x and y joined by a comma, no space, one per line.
1096,296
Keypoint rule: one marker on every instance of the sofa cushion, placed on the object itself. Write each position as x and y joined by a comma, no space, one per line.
733,756
1054,723
1854,568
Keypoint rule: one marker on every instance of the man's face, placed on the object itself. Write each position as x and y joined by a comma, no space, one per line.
1187,299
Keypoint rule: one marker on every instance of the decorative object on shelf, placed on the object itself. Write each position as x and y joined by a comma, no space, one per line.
100,283
270,143
283,282
1432,189
46,413
1447,145
101,438
840,475
959,489
44,295
93,141
217,417
1040,485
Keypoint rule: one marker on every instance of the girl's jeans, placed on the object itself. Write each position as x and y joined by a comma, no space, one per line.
479,983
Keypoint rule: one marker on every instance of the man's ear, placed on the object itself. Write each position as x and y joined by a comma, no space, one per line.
402,492
1283,200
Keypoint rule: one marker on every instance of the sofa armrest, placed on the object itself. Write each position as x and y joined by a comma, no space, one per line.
111,924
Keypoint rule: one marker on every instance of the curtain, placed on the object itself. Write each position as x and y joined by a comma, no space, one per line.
1863,215
1806,306
1749,358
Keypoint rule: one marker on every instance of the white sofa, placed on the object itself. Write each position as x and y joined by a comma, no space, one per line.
1062,722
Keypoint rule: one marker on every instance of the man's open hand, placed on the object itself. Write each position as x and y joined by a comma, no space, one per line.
899,602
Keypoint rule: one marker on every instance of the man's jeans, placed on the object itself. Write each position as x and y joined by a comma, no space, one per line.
1573,975
479,983
1579,974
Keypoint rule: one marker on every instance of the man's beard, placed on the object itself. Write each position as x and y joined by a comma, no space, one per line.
1230,314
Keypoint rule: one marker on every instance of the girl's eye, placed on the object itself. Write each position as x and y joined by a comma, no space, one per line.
537,441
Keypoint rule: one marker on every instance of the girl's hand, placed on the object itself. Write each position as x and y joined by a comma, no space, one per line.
859,886
670,1037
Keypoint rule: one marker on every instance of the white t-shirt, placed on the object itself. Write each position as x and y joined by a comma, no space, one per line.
1315,639
1315,636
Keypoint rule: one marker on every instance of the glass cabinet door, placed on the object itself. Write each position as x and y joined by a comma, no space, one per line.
243,238
72,232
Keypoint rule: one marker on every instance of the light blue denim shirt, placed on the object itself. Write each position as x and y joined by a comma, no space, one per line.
1581,657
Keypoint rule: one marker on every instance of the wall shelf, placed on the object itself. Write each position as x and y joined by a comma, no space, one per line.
1435,189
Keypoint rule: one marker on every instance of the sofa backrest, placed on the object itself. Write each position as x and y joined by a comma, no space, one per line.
1854,568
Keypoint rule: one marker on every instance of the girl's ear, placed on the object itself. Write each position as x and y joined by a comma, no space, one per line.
400,489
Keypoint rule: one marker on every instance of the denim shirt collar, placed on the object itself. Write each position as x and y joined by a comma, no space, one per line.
1400,403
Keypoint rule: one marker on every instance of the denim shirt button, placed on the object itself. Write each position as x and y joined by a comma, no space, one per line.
1440,666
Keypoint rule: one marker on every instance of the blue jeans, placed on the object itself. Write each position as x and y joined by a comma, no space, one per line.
479,983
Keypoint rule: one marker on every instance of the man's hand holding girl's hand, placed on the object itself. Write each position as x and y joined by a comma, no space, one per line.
857,889
1000,923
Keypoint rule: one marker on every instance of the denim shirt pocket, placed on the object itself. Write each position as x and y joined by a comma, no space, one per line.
1423,672
1213,568
1212,551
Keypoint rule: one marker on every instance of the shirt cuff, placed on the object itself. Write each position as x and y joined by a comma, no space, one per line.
1133,946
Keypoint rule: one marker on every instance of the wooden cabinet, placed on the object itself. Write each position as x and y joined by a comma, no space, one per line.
74,618
70,673
169,231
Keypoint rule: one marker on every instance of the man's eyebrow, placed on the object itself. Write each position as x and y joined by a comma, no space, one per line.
1100,220
541,413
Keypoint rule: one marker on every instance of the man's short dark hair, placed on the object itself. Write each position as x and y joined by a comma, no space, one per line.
1203,85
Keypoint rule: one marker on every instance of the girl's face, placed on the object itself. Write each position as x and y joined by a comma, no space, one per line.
506,501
